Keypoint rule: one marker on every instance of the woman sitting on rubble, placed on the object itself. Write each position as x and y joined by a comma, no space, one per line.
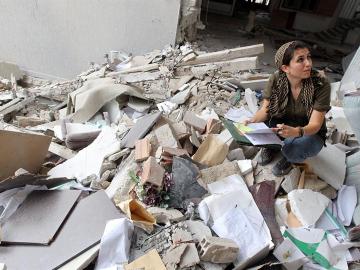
296,100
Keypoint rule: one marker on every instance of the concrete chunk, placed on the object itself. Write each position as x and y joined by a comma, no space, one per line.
166,137
191,119
218,250
291,180
153,173
236,154
245,166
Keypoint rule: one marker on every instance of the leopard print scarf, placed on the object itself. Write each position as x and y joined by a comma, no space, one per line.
280,92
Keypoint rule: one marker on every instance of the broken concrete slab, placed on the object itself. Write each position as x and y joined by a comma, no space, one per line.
166,137
181,97
140,129
236,154
142,149
307,205
173,256
166,216
245,166
218,250
197,229
221,171
211,152
193,120
185,186
152,173
190,257
329,165
41,209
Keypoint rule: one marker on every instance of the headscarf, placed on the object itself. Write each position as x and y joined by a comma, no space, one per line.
280,90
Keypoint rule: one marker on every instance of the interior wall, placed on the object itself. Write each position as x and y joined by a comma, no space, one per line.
59,38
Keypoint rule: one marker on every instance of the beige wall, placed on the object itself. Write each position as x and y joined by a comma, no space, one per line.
61,37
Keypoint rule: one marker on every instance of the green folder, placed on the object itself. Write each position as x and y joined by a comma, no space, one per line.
241,139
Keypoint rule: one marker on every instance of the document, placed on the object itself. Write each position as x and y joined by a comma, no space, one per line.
258,133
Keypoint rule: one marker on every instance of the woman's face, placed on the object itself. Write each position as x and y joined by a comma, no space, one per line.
300,65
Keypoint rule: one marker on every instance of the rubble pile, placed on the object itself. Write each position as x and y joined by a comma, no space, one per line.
141,163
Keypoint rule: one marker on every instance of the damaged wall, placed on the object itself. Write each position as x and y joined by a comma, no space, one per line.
59,38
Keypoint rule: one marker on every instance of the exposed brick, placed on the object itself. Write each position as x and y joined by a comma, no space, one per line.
153,173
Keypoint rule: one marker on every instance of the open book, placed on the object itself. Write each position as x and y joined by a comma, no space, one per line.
258,133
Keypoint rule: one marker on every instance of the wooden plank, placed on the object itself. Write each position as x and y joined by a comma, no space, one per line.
9,104
226,55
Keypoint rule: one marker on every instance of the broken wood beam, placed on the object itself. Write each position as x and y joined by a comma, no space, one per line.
226,55
15,106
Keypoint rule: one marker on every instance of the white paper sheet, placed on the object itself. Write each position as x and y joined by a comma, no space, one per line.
238,115
115,244
89,160
289,255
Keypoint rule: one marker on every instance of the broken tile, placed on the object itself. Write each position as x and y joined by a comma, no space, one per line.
142,150
42,208
264,196
152,173
211,152
59,251
167,151
218,250
185,186
193,120
140,129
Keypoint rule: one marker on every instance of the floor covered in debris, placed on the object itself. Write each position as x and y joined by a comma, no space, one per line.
140,163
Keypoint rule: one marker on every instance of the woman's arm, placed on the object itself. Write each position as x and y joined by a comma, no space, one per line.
262,114
314,125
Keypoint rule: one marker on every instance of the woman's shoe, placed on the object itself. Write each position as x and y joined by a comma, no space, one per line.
282,167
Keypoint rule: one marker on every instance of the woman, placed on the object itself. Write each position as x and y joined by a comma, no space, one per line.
296,100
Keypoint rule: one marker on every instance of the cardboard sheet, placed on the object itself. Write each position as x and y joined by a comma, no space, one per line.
39,217
211,152
21,150
88,100
150,261
82,230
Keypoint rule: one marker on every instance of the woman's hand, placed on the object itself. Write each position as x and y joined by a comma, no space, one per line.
286,131
248,121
